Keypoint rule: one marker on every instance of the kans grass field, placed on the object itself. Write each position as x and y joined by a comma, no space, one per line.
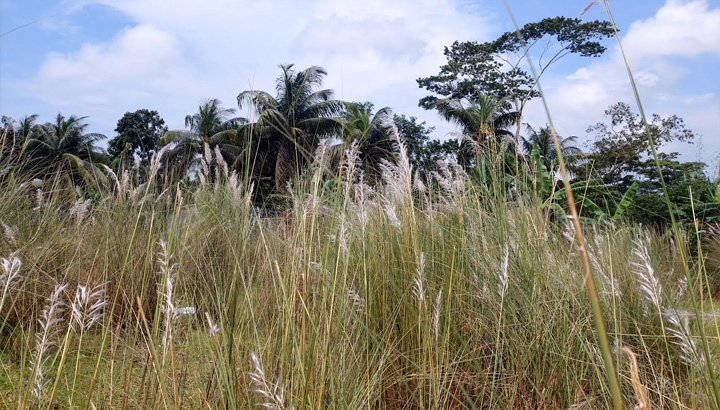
361,282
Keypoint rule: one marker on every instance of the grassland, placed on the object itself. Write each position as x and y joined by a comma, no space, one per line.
433,293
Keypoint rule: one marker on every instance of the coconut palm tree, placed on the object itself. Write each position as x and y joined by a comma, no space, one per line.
52,146
290,125
371,133
13,135
482,120
542,140
212,124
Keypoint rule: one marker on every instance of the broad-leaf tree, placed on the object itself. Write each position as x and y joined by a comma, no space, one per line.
619,147
139,134
497,67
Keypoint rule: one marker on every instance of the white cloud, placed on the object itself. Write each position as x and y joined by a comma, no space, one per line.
177,52
679,28
660,50
134,53
181,51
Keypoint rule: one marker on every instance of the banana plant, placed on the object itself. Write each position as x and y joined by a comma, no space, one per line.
543,187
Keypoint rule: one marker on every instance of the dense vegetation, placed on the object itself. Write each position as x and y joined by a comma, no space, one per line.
322,253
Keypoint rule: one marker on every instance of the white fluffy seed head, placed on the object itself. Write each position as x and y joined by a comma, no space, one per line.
647,280
10,275
88,305
272,393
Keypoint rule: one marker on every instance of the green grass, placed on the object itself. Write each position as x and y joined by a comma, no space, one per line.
343,306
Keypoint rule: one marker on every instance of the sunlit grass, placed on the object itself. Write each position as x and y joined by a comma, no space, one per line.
408,295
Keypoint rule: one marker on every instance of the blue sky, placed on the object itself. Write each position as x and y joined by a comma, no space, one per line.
102,58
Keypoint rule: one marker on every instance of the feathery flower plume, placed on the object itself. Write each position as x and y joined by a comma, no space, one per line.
503,277
155,160
10,276
169,275
418,184
221,161
87,308
419,288
9,234
648,282
681,288
352,160
436,316
46,338
679,328
391,214
79,209
595,251
113,176
272,392
213,328
358,302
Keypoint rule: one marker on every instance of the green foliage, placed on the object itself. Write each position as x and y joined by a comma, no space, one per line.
212,124
292,123
626,201
139,134
542,140
494,68
63,146
618,148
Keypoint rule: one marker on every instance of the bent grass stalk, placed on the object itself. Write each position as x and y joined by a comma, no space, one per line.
590,286
712,380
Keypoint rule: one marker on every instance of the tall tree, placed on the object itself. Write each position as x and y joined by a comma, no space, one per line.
294,121
617,150
139,134
422,152
494,68
212,124
481,120
13,135
55,145
542,140
371,132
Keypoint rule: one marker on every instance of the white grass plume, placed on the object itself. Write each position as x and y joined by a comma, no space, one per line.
10,276
79,210
503,276
219,160
156,158
419,286
678,326
647,281
270,391
10,233
213,327
46,338
88,306
436,315
352,161
397,176
389,209
358,303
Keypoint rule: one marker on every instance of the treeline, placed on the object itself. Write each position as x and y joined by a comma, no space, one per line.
484,98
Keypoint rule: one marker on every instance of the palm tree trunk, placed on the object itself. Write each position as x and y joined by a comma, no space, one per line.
283,167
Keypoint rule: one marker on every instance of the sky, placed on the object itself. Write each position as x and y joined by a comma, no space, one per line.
103,58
